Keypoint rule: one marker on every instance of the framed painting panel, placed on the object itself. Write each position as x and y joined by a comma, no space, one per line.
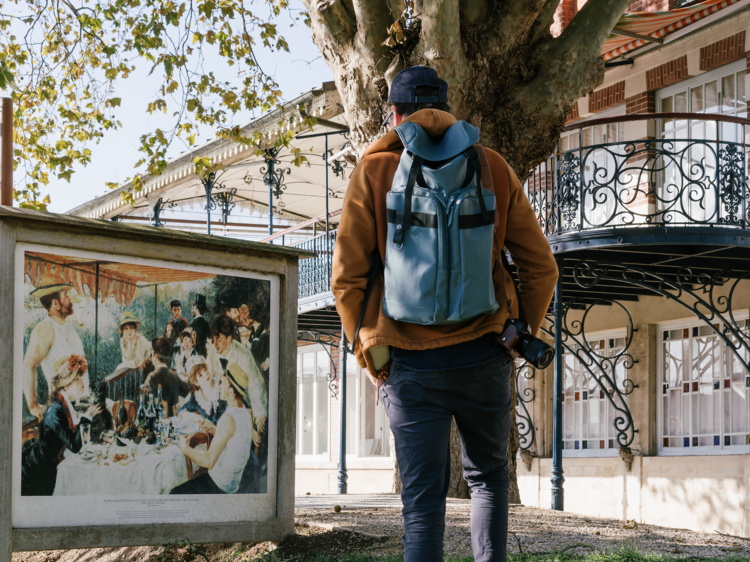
144,391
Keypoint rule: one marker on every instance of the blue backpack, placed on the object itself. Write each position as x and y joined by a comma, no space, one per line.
441,225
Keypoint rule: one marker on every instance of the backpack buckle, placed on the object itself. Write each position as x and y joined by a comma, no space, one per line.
398,236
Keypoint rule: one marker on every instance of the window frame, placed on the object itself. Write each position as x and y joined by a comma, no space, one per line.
717,74
596,453
689,323
320,457
358,457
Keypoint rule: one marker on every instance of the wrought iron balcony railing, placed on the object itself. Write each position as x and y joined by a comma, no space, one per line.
693,173
315,273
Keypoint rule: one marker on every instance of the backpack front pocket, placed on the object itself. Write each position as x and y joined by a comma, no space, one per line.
471,290
415,272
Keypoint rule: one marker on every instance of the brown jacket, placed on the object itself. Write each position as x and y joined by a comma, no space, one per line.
363,229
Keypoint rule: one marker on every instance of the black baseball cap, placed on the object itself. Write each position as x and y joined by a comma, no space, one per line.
404,86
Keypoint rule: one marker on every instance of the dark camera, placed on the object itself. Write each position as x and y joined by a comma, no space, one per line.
517,338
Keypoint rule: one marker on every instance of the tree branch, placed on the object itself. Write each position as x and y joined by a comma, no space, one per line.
373,21
571,65
592,26
517,18
338,20
545,19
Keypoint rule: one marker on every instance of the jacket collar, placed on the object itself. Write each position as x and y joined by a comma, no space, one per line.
433,121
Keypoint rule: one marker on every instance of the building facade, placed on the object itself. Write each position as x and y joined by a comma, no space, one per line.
645,206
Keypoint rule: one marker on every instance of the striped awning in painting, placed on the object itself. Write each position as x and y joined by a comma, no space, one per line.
119,280
658,25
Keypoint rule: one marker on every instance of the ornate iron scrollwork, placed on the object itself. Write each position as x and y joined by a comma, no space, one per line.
326,340
526,433
685,288
225,201
732,192
273,177
602,367
650,182
568,192
337,167
159,206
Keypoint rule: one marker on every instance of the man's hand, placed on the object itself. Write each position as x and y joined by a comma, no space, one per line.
169,330
207,426
256,438
36,410
93,410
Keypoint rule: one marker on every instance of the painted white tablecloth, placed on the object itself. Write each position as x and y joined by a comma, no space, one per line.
150,474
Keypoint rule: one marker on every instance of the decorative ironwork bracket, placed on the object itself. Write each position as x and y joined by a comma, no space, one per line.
326,340
602,368
273,176
337,167
159,206
526,432
225,201
695,292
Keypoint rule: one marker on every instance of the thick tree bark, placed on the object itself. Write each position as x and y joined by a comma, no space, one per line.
506,73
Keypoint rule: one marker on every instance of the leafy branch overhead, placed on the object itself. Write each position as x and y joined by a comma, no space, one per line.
62,60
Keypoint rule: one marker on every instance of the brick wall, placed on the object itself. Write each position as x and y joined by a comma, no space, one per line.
607,97
573,115
723,52
563,16
645,102
667,74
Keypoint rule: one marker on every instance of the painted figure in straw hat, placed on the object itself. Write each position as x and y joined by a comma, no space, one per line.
60,428
134,346
52,338
231,448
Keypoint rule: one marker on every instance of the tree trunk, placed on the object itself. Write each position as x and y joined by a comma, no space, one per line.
506,74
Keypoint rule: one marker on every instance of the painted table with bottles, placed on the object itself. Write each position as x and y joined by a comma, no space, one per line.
142,468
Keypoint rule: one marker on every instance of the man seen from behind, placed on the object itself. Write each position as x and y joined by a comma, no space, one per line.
432,367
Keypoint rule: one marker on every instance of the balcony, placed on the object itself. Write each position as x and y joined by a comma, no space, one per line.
639,189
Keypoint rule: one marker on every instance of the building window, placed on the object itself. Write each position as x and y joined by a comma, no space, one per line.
313,401
367,431
703,391
588,415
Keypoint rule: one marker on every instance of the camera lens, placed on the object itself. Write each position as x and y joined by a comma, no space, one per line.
535,351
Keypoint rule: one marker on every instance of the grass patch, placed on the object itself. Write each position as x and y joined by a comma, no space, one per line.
579,553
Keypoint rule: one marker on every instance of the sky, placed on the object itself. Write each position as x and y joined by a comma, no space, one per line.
114,157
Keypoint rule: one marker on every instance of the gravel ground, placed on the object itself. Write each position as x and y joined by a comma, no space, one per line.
537,530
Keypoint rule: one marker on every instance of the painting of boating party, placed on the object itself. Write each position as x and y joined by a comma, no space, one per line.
141,380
